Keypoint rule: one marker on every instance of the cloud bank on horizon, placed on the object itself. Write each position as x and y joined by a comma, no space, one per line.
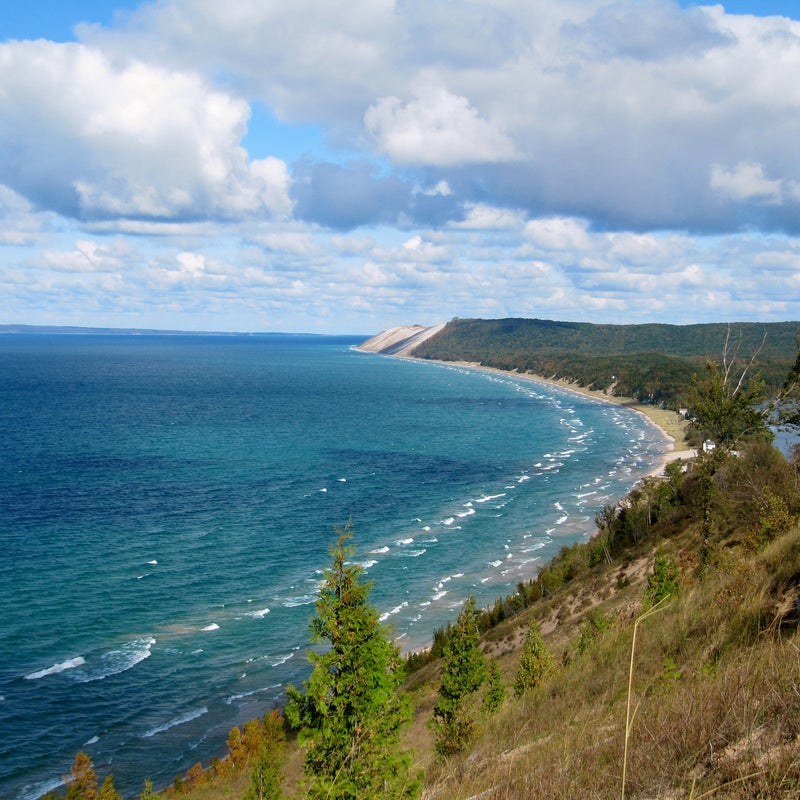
319,167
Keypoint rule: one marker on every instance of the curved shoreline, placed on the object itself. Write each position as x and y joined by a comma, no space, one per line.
671,426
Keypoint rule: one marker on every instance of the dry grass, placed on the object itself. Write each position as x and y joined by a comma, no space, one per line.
717,701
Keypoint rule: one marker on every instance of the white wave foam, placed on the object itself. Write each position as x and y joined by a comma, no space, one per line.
412,553
488,497
438,596
116,661
152,563
260,614
370,562
468,513
302,600
396,610
173,723
63,666
379,550
403,542
562,520
33,791
535,546
448,521
93,740
212,627
234,697
342,480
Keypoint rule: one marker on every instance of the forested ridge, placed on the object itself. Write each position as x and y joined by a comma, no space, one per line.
651,362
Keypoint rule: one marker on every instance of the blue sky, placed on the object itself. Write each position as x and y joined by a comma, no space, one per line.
326,168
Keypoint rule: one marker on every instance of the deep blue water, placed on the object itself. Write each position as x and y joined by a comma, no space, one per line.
167,504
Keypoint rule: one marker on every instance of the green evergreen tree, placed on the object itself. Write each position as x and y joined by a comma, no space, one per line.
463,672
268,758
496,692
662,581
351,715
535,663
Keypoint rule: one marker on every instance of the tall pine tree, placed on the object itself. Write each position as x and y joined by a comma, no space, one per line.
351,715
463,672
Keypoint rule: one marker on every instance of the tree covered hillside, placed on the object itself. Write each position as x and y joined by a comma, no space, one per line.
652,363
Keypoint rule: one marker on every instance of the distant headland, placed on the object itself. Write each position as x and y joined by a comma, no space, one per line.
87,331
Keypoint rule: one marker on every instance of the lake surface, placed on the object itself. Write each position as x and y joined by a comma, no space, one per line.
167,504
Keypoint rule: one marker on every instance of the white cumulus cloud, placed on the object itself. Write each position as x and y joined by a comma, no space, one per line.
94,138
746,181
436,128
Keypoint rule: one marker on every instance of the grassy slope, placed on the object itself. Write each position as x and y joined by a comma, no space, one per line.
716,679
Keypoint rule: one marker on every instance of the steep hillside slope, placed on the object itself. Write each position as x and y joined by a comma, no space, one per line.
400,341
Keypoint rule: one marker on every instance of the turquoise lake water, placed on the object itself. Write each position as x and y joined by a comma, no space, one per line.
167,504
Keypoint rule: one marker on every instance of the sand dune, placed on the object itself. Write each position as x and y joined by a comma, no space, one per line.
400,341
